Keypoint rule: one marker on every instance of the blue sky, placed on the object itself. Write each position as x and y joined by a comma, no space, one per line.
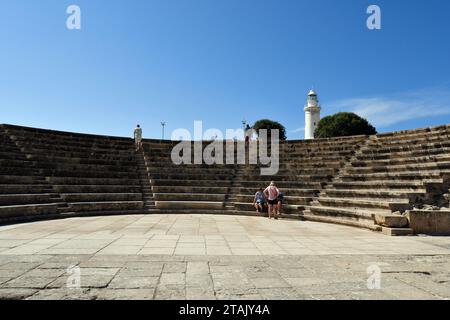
221,61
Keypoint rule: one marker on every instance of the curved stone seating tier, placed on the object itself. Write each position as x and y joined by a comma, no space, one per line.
405,151
24,194
24,188
189,189
295,192
105,206
18,199
96,197
402,161
90,159
374,182
417,166
97,188
90,181
92,174
80,173
412,134
388,175
27,212
85,153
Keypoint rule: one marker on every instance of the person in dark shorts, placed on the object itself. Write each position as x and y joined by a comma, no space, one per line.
280,200
271,194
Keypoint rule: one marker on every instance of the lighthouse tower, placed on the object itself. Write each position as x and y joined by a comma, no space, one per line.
312,114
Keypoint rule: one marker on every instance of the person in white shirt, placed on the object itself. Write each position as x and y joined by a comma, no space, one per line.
271,194
138,137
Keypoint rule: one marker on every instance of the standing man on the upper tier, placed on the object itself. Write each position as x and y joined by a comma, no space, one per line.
138,137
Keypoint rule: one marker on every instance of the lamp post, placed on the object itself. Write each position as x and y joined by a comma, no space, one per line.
163,124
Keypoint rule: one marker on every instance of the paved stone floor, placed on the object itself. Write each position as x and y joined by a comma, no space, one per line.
216,257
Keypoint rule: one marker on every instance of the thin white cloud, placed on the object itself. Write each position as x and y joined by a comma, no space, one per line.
297,130
386,111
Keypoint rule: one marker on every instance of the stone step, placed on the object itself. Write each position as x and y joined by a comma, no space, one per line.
243,183
433,166
96,188
385,184
286,165
91,181
11,153
402,155
376,193
412,138
394,162
421,140
253,213
397,205
354,213
396,176
287,178
410,134
41,154
60,137
189,205
397,231
24,188
99,197
105,206
377,147
325,157
63,144
192,171
16,163
186,176
291,200
100,174
11,179
352,221
189,197
345,216
286,208
181,182
18,199
187,189
27,210
334,148
17,171
296,192
88,158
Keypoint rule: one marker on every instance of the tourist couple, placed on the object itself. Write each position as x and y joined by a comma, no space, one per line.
274,199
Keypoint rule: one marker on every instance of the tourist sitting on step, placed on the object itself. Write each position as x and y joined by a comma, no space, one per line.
138,137
271,194
280,200
259,201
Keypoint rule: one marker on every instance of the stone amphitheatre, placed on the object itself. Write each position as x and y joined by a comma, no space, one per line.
140,226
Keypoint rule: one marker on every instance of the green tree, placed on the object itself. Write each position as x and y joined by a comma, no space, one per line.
269,125
343,124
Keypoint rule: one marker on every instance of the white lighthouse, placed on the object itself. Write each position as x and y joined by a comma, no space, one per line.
312,114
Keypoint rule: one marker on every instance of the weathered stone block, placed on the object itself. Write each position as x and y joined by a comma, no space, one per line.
429,221
397,231
391,221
